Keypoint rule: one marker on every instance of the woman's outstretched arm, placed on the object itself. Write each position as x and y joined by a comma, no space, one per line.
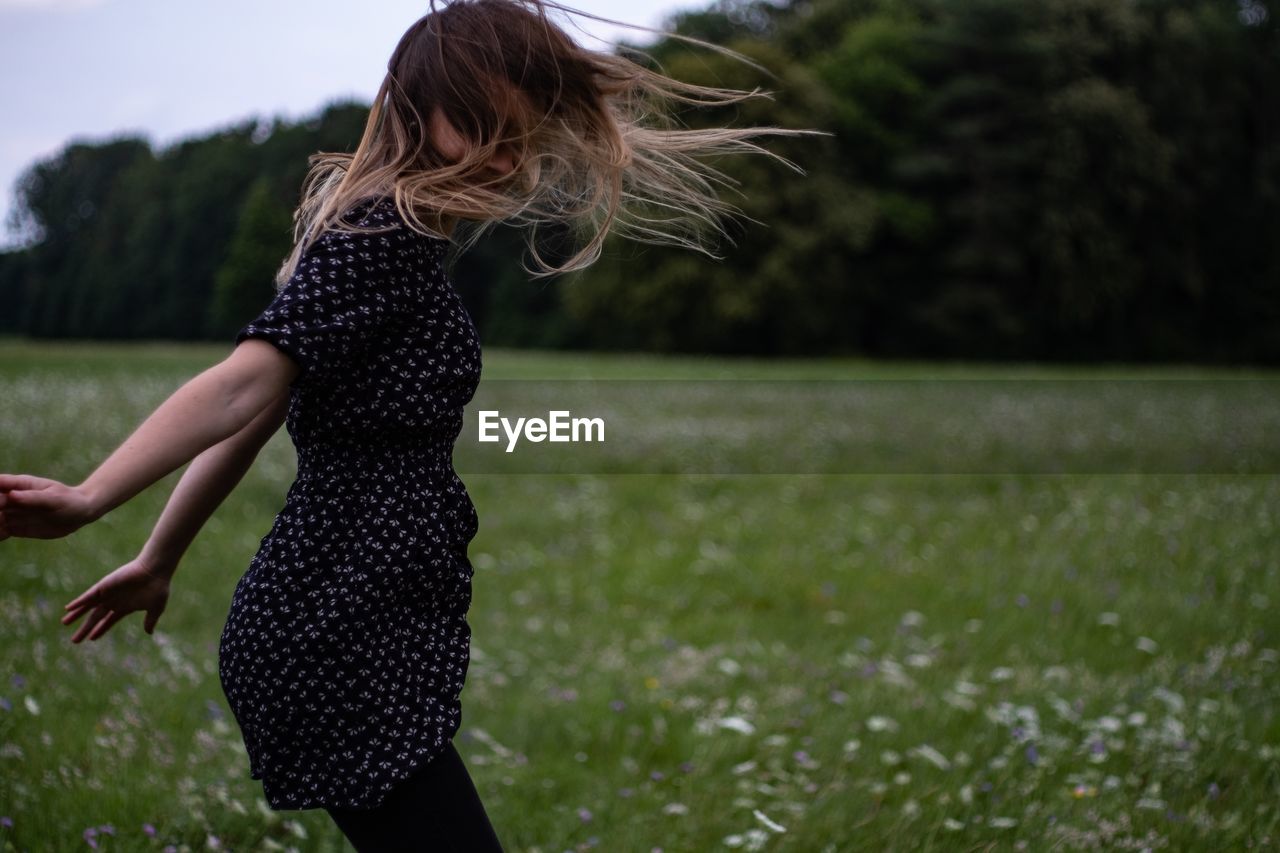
143,583
205,485
213,406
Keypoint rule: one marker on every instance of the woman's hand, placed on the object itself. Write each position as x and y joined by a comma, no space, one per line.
39,508
137,585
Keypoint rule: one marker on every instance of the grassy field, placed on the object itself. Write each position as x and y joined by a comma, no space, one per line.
726,661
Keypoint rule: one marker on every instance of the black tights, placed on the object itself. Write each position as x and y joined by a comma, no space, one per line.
435,809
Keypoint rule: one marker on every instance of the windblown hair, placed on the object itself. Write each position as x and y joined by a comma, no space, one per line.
591,134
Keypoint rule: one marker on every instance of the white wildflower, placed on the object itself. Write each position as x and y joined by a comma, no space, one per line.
763,818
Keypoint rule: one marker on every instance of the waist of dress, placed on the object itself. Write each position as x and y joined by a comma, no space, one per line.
339,459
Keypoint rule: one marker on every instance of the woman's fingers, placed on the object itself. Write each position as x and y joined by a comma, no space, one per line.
84,598
94,618
105,625
9,482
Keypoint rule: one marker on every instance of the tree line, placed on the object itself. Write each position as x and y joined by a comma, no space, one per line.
1064,180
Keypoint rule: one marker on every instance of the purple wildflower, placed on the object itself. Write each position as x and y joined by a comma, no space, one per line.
1032,755
584,815
617,705
6,822
149,829
5,704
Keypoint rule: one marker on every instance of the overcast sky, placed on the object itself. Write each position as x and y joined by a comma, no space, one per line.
171,69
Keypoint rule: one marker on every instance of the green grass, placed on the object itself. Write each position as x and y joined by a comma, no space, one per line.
872,661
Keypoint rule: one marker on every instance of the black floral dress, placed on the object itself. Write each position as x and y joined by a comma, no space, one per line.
346,646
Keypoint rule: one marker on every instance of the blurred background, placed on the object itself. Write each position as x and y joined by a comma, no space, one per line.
1069,180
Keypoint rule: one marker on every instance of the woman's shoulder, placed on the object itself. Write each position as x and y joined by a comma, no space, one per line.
383,213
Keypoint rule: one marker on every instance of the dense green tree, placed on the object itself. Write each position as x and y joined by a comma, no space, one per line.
245,282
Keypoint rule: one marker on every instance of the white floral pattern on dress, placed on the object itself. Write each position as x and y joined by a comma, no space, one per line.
346,646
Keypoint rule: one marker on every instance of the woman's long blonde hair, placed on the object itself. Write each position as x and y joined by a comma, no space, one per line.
591,134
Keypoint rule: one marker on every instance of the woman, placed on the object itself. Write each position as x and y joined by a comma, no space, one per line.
346,645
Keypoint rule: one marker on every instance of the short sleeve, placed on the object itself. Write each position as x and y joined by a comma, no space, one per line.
340,295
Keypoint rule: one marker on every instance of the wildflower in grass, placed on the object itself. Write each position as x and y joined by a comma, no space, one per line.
1213,791
1081,791
882,724
5,704
910,809
6,822
213,842
149,830
584,815
1109,619
32,705
928,753
626,792
91,837
952,824
1033,757
657,775
675,808
686,767
651,682
1146,644
752,839
737,724
18,681
617,705
107,829
1002,822
763,818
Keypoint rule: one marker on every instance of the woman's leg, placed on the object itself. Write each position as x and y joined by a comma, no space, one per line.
437,808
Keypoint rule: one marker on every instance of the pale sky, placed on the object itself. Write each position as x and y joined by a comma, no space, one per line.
169,69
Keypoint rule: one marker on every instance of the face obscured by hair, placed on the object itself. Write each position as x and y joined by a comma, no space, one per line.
453,146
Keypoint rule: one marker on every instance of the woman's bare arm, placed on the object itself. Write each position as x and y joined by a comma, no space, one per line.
205,485
143,583
213,406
